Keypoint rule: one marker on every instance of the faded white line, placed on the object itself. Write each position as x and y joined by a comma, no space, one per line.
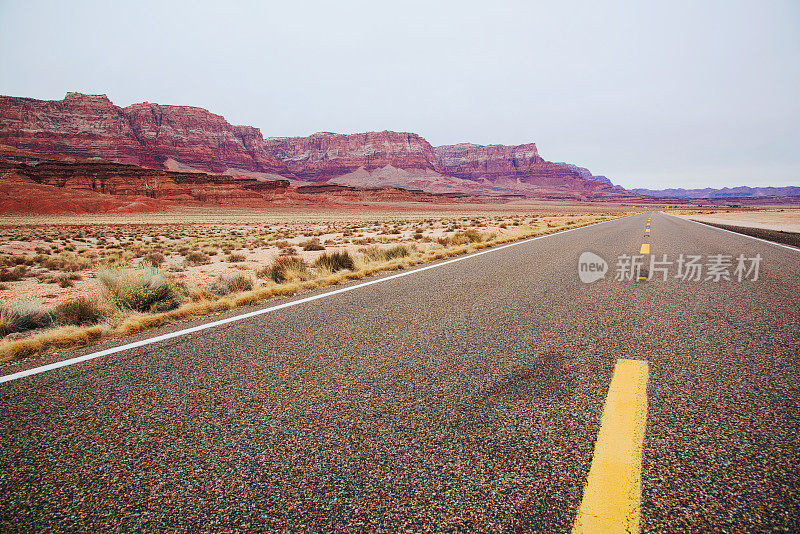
178,333
737,233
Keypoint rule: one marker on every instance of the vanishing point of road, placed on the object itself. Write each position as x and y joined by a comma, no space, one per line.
464,397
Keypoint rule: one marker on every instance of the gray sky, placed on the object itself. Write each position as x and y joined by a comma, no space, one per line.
668,94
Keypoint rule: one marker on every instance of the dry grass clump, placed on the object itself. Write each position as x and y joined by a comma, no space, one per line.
285,269
312,244
156,259
21,317
196,257
231,283
142,290
335,261
12,275
374,253
66,262
465,237
234,257
79,312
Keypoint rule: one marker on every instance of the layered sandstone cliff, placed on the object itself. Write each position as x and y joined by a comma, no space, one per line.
325,155
190,138
125,180
141,134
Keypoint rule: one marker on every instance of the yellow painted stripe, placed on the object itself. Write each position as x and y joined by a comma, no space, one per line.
647,230
613,492
645,248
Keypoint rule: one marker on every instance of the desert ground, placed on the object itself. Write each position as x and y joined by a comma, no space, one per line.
787,220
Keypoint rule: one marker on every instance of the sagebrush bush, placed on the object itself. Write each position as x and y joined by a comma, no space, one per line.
284,269
312,244
231,283
143,290
335,261
374,253
235,257
79,312
22,317
397,251
66,262
12,275
154,258
463,237
196,257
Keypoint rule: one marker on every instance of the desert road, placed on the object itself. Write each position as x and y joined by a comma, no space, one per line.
465,397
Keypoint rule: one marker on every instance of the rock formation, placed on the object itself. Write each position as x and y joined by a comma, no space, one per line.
193,139
141,134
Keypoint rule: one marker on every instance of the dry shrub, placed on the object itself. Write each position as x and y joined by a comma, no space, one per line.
22,317
142,290
66,262
79,312
374,253
231,283
463,237
284,269
196,257
12,275
235,258
154,258
335,261
312,244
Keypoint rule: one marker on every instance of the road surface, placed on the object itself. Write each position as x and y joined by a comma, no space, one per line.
466,397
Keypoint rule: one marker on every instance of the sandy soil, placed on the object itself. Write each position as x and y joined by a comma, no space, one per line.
786,220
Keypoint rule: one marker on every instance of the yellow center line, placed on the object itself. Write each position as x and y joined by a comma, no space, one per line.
647,229
645,248
613,492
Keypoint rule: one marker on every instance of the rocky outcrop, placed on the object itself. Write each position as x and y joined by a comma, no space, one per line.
325,155
194,139
521,168
586,174
124,180
478,162
141,134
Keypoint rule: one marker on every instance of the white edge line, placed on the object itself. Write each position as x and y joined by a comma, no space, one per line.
178,333
736,233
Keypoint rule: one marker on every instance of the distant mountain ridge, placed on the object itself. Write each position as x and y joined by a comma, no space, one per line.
193,139
725,192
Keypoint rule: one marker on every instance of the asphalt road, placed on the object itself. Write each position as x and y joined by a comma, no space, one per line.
463,398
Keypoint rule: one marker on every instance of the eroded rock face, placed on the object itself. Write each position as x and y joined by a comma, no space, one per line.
141,134
189,138
477,162
122,180
324,155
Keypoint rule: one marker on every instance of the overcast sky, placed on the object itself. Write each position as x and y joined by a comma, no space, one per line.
651,94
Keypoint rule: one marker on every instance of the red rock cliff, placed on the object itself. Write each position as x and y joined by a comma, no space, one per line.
141,134
151,134
475,162
327,155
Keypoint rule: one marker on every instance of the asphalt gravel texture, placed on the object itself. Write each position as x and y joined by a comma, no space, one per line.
465,398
